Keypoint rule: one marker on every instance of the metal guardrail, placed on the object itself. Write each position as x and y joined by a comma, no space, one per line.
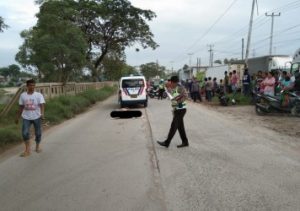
50,90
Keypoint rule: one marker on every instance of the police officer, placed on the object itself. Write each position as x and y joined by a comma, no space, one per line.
161,89
178,100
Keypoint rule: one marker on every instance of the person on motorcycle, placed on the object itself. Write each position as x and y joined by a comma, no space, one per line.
269,84
296,80
161,89
286,85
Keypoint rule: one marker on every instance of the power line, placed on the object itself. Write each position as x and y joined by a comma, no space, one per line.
211,27
233,38
260,21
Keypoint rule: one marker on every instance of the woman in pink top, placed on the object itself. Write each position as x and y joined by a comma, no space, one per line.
269,84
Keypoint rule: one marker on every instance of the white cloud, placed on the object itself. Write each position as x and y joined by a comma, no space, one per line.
18,15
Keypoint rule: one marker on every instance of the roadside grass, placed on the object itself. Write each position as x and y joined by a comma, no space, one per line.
56,110
239,98
2,92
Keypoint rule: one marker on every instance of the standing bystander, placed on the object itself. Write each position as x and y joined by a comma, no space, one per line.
32,111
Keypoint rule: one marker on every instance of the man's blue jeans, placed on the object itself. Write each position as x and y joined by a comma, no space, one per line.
37,128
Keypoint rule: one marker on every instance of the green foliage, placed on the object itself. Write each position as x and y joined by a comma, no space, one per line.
1,106
65,107
71,34
9,131
200,76
117,24
12,71
239,98
56,47
218,61
2,24
152,69
114,68
10,135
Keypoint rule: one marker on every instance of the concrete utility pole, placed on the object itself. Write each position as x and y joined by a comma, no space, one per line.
190,59
243,46
198,64
190,64
172,65
272,27
211,55
250,32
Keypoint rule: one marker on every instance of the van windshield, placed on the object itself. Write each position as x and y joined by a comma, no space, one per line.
128,83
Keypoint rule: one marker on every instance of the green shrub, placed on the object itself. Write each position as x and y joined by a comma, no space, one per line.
240,99
9,135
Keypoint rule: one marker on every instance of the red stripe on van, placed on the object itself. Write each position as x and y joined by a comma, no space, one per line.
141,90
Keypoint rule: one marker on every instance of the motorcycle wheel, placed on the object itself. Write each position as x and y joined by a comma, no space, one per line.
259,111
165,95
295,111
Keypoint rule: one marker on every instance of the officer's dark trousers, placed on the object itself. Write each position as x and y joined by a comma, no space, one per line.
177,123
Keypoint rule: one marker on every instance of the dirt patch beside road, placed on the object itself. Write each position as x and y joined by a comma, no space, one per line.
283,124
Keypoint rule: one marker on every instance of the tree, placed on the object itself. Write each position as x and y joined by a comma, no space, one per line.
185,67
113,26
12,71
226,61
2,24
114,69
4,71
55,47
152,69
108,26
218,61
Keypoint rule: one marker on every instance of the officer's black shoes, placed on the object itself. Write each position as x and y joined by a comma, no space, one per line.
182,145
163,143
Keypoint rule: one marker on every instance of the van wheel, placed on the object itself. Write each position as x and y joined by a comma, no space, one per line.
121,104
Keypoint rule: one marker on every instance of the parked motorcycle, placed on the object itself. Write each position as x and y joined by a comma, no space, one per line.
223,99
152,93
273,104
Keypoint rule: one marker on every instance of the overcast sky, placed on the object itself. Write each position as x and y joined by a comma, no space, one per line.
184,29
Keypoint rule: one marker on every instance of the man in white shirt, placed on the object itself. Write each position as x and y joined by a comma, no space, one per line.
32,111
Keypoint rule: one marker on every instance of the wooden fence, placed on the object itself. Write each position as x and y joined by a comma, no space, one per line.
50,90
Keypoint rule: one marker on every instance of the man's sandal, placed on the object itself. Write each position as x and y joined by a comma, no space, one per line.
38,150
24,154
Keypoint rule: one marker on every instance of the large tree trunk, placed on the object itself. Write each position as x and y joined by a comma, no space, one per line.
95,72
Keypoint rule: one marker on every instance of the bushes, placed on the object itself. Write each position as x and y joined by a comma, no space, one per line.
239,98
66,107
56,110
10,135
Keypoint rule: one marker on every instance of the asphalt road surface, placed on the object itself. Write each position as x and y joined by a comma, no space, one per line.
93,162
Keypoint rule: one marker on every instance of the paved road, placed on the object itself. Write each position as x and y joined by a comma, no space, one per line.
228,166
89,163
95,163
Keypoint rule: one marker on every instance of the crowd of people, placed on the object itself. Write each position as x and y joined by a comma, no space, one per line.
209,87
269,83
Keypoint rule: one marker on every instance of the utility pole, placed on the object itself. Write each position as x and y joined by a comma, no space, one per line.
211,55
190,59
249,33
198,64
172,65
272,27
190,64
243,43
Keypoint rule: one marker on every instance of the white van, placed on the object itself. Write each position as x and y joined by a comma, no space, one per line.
133,91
